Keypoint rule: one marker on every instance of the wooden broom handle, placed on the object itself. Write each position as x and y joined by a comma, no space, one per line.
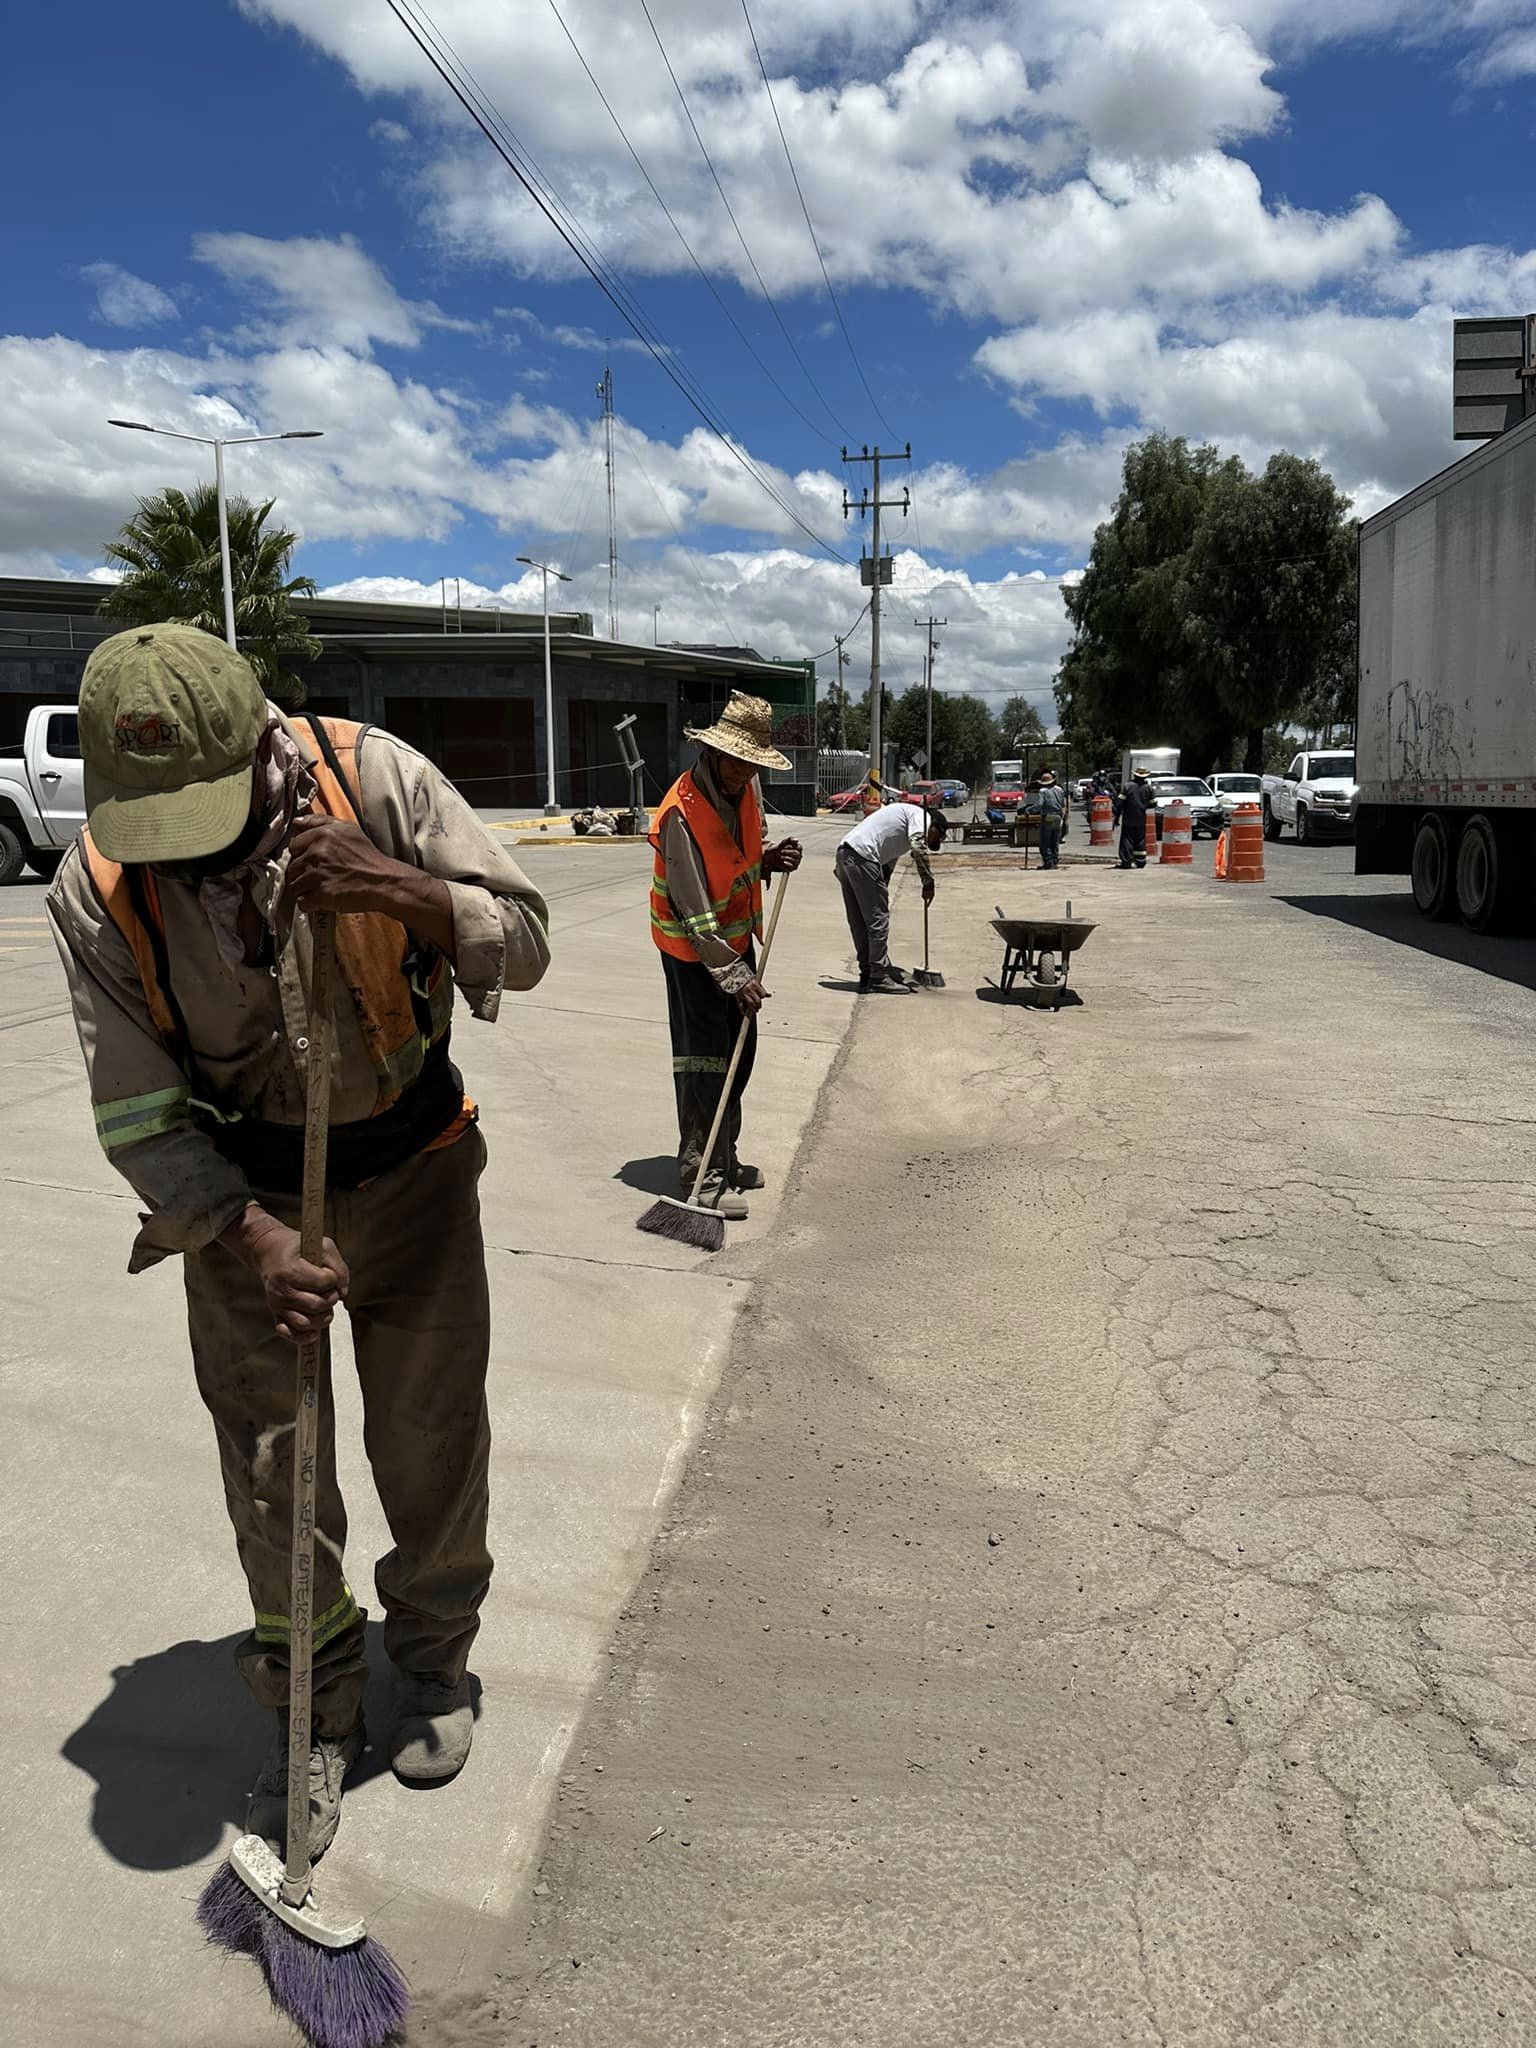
306,1440
741,1044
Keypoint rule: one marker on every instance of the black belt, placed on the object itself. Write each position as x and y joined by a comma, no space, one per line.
271,1156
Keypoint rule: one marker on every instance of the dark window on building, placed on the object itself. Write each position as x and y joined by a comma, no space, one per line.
482,744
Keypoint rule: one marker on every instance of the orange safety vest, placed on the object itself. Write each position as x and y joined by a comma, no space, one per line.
403,1010
732,873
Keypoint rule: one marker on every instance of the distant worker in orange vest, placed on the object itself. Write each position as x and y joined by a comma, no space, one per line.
706,918
214,820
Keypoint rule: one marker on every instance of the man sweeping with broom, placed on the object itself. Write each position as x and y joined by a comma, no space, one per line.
222,840
706,916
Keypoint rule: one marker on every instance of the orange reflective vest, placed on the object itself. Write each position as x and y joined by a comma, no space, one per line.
732,873
404,1008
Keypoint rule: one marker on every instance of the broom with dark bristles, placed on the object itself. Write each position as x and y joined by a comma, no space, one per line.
340,1989
690,1222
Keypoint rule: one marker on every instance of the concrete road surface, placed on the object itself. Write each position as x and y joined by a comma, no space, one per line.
130,1741
1101,1611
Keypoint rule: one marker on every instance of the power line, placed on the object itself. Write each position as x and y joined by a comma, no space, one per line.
482,111
809,225
745,338
841,639
837,424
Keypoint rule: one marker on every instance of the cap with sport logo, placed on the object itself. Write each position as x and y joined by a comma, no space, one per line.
169,721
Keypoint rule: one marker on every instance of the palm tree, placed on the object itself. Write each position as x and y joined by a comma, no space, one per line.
169,550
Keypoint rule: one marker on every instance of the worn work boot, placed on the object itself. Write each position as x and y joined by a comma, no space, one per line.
330,1759
434,1726
745,1178
717,1195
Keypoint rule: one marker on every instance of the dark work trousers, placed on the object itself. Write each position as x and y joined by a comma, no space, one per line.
1133,840
419,1308
704,1023
1050,842
866,888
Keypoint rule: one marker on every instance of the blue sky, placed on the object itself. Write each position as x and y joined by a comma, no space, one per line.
1050,227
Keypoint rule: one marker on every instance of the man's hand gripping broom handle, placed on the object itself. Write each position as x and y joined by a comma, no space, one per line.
301,1582
741,1046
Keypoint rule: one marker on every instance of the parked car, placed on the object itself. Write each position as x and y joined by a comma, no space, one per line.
1316,794
924,793
1205,812
846,799
42,792
956,793
1234,787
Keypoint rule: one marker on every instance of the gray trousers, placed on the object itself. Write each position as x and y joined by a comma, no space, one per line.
867,900
1050,842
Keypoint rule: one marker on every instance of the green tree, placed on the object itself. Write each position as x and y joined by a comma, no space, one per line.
972,741
964,735
1017,724
1215,604
169,552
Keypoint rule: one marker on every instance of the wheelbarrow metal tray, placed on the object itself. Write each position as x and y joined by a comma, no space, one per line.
1043,934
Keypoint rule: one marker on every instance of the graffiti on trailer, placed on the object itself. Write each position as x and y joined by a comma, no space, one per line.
1421,744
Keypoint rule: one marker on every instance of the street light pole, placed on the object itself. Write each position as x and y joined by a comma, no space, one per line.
218,444
656,623
547,570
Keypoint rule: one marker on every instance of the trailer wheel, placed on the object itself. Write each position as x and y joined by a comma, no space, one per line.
1432,869
1272,825
1481,877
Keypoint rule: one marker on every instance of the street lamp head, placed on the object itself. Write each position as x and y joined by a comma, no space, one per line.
529,560
138,426
303,434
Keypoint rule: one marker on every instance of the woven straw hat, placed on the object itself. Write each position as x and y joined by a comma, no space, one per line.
743,730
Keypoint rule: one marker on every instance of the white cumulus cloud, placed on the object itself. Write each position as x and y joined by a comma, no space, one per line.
123,300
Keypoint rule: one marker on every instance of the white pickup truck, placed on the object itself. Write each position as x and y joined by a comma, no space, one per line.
1316,794
42,793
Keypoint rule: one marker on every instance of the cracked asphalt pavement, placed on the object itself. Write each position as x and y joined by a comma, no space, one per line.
1100,1608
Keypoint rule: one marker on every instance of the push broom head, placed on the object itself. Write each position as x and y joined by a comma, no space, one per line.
685,1223
338,1987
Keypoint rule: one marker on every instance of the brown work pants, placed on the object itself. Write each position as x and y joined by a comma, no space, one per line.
420,1313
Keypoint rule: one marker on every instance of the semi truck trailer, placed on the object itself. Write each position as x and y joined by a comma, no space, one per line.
1446,738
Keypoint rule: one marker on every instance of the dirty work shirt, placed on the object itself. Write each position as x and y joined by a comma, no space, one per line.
688,889
247,1024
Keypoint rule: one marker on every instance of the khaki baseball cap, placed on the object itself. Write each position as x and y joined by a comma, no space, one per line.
169,721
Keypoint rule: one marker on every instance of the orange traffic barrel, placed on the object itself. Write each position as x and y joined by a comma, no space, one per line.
1178,836
1150,841
1245,851
1101,821
1221,854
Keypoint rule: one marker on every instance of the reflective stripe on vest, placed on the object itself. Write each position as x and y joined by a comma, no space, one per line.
400,1012
732,873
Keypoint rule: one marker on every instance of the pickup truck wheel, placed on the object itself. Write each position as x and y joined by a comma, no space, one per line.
1482,880
1432,869
13,855
1272,826
1303,826
44,863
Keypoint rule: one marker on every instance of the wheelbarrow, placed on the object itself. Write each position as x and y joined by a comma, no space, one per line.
1031,946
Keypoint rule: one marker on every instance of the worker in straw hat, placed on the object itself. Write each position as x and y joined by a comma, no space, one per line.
706,918
216,826
1053,813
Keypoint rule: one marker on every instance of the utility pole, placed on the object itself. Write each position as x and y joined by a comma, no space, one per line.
874,570
605,393
842,696
933,625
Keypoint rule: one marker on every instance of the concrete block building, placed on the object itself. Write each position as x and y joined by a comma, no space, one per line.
467,688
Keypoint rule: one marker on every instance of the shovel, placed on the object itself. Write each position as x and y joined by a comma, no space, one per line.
923,976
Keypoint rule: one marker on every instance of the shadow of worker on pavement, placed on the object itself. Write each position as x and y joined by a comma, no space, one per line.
175,1747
